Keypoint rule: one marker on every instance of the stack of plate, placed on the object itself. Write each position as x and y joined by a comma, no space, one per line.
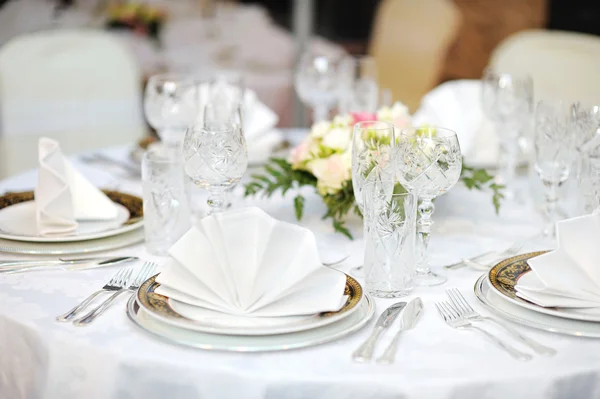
162,317
496,291
18,228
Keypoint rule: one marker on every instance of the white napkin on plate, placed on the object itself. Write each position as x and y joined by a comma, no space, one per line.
456,105
244,262
63,195
568,277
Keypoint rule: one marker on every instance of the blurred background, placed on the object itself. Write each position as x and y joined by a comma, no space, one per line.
453,37
54,53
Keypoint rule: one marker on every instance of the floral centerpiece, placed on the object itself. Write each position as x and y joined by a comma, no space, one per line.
143,19
324,160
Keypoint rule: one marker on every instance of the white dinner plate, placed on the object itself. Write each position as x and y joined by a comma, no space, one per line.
252,343
194,318
503,278
73,248
496,303
18,222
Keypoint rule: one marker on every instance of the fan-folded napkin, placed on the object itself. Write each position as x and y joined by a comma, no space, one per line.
569,276
244,262
63,195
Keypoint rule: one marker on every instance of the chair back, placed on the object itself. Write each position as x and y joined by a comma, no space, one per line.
409,41
563,65
80,86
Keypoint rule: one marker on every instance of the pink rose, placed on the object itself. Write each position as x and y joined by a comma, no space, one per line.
300,154
363,116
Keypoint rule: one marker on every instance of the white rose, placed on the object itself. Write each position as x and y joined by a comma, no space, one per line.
338,138
331,172
398,115
384,114
343,120
320,129
399,110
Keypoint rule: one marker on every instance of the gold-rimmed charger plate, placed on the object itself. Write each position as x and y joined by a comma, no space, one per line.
159,307
17,205
504,276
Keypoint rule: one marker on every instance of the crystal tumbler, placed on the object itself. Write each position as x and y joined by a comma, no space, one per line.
167,214
390,234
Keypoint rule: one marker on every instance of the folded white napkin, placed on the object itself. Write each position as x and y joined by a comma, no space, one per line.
63,195
456,105
244,262
568,277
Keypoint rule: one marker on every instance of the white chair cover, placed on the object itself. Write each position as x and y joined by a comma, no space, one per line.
77,85
563,65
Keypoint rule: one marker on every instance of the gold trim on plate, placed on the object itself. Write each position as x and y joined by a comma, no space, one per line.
504,275
159,304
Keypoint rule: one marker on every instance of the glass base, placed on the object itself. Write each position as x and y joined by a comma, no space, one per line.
428,278
390,294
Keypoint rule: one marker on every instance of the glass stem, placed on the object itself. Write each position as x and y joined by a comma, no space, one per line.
507,159
170,139
216,200
426,209
551,207
321,113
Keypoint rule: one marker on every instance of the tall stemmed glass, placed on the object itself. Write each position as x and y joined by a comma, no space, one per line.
171,105
554,152
429,163
317,81
215,155
359,90
507,100
371,154
224,91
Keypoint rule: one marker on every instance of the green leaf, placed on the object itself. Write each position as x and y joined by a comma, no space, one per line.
480,179
339,227
299,206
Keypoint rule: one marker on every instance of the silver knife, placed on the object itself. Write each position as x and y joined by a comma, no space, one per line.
408,319
365,352
78,264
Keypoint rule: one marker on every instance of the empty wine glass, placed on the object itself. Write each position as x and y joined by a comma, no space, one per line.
171,105
215,154
370,155
429,163
507,100
359,90
554,146
317,81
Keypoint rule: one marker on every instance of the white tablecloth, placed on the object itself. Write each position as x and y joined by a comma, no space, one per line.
112,358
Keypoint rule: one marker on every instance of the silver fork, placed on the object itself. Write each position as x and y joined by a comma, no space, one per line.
144,273
465,310
454,320
512,250
117,282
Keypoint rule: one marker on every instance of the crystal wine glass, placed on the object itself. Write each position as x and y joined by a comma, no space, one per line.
507,100
171,106
215,154
317,81
554,152
359,90
429,163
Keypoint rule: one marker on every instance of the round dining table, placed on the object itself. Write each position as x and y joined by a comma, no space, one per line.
114,358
